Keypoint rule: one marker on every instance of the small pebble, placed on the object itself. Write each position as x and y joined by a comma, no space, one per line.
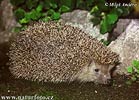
9,91
119,85
95,91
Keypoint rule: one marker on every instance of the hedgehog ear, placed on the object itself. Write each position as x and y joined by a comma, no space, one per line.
112,69
111,66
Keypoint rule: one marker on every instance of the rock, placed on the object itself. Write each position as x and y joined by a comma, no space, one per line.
81,19
7,16
5,36
7,20
127,46
119,29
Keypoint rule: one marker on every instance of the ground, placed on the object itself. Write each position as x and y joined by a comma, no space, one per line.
9,86
71,91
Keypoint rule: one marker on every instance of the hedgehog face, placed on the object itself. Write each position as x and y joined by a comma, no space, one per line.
96,72
102,73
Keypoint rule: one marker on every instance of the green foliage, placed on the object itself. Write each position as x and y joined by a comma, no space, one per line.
107,16
34,10
68,3
17,2
55,15
105,42
45,10
31,3
18,29
63,9
130,69
84,4
133,70
20,13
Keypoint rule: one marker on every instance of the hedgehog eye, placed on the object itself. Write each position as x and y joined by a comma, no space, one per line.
96,70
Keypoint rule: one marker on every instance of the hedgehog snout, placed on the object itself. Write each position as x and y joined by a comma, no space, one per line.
107,79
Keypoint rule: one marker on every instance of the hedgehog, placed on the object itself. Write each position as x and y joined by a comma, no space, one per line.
56,52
